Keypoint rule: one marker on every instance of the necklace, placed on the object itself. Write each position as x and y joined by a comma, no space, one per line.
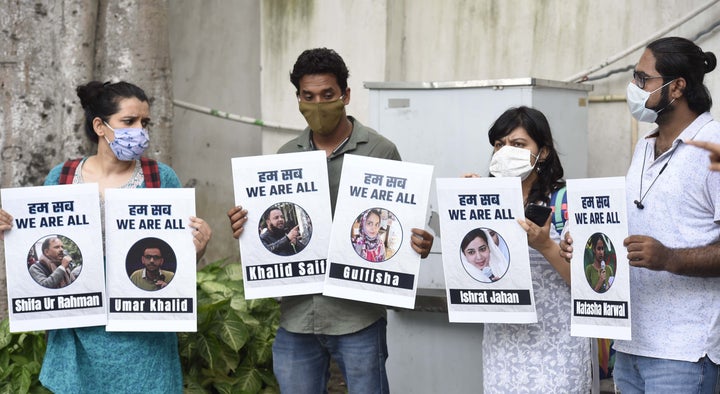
337,148
638,203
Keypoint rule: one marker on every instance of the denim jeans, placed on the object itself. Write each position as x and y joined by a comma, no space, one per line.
638,374
301,362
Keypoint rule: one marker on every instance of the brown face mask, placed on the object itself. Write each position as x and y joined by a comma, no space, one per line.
323,117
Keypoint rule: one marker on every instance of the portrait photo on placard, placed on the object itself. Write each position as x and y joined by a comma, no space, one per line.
151,264
484,254
600,262
285,229
376,235
54,261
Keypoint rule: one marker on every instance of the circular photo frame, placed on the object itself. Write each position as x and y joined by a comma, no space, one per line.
285,229
376,235
600,262
151,264
54,261
484,255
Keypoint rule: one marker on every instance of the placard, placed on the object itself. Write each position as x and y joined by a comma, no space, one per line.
151,260
54,257
285,243
485,251
600,271
371,258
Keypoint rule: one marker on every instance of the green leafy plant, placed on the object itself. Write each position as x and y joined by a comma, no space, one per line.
21,356
231,352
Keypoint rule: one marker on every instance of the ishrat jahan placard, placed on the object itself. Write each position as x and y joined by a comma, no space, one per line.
485,251
54,257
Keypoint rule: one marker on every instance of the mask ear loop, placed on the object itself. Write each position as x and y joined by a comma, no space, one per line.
535,166
539,160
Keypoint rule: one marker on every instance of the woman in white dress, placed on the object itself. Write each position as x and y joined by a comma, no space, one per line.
540,357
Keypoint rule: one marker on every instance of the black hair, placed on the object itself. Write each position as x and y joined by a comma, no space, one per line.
594,240
677,57
100,100
46,243
475,233
319,61
266,215
153,243
550,171
151,246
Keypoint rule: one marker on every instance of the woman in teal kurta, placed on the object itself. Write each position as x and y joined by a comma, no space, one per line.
92,360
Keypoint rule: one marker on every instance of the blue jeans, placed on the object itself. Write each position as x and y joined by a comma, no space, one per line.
301,362
638,374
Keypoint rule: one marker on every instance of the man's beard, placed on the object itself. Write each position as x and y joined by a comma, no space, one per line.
276,230
664,107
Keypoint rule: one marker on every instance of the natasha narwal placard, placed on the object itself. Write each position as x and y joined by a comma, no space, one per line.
371,258
600,270
151,260
54,257
285,242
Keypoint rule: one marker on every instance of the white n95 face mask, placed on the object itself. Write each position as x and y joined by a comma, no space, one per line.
636,100
511,161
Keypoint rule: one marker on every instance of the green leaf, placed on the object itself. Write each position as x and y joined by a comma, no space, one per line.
233,332
5,336
228,361
234,272
238,304
249,319
202,277
207,349
249,379
261,352
212,287
25,380
224,388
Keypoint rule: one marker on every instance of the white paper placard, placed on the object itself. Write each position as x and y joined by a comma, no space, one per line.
155,223
485,251
42,293
377,263
284,194
598,225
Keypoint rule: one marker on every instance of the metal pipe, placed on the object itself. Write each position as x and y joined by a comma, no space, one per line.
579,77
233,117
609,98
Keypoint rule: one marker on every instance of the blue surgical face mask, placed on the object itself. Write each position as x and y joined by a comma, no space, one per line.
129,143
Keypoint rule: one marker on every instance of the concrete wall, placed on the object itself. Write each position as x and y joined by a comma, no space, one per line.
215,52
432,40
355,29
